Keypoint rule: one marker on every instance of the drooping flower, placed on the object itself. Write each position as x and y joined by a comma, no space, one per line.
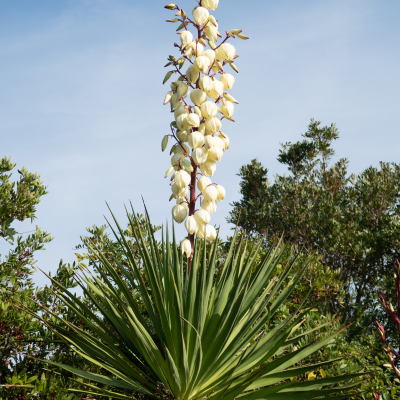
210,4
200,15
195,140
179,213
186,247
203,182
227,80
221,192
191,225
199,155
198,96
208,109
226,52
202,217
182,178
186,37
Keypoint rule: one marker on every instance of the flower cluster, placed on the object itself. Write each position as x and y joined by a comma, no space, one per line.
199,100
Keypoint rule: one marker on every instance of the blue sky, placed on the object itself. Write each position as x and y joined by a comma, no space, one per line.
81,97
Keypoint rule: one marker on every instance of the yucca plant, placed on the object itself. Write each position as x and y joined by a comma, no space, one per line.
200,337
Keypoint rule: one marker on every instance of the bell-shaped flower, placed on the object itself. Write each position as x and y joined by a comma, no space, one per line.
227,109
221,192
201,231
210,193
176,158
186,247
183,203
227,80
181,121
186,37
211,32
225,139
198,48
192,120
226,52
206,83
213,124
202,217
182,135
180,148
191,225
210,140
209,206
175,101
215,154
217,90
182,178
211,233
208,109
210,54
179,192
200,15
203,182
198,96
182,88
192,74
210,4
179,213
196,140
180,110
199,156
208,168
201,64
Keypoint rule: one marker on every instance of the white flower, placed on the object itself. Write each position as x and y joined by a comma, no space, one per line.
213,124
202,128
198,96
227,109
175,101
186,247
167,98
210,4
210,193
209,206
199,156
211,233
211,32
196,140
208,109
179,192
191,225
201,64
179,213
183,203
225,139
175,159
200,231
192,74
181,122
197,48
203,182
206,83
217,90
181,148
192,120
221,192
227,80
186,37
202,217
226,52
180,110
210,54
215,154
200,15
182,136
208,168
182,178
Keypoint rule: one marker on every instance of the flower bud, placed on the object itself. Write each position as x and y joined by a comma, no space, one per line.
221,192
208,109
167,98
198,112
182,178
183,203
213,124
225,139
230,98
198,96
186,37
164,142
180,110
217,90
208,168
192,74
179,213
196,140
211,233
201,64
169,170
192,120
179,192
203,182
226,52
182,89
215,154
211,32
210,193
209,206
241,36
210,54
227,80
213,21
210,4
228,109
199,156
175,101
191,225
182,135
206,83
235,31
202,217
200,15
187,165
186,247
